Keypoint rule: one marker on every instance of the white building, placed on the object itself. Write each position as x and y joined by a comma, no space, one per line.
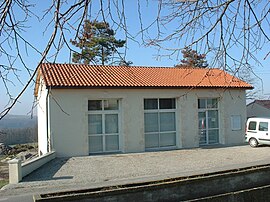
259,108
87,109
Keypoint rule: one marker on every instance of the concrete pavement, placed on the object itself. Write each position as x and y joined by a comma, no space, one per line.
63,174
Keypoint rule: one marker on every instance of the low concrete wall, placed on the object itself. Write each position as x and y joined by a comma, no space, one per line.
18,170
189,188
255,194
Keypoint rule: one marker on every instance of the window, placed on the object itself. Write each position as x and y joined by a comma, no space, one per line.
236,122
263,126
94,105
210,103
252,125
159,103
208,120
159,123
103,125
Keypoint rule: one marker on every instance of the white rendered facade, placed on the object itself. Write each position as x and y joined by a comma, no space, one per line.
66,130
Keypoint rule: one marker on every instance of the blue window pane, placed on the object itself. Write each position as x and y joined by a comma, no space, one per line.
95,124
202,135
167,139
151,122
213,136
151,140
95,144
94,105
167,103
201,103
150,104
111,123
213,119
111,104
112,142
167,121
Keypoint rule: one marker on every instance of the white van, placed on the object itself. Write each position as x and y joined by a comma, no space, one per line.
257,131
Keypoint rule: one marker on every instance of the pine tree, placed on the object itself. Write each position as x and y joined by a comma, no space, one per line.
97,43
192,58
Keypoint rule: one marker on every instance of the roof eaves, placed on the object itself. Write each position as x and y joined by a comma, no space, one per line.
141,87
37,83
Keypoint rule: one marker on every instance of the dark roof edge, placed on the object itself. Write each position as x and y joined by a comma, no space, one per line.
254,102
146,87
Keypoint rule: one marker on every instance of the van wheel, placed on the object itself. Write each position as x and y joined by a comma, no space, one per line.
253,142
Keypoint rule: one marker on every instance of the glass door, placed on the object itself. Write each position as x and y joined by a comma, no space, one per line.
103,125
208,122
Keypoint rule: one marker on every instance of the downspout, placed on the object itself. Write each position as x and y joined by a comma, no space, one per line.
48,121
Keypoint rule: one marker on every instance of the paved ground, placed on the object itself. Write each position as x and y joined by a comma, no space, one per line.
64,174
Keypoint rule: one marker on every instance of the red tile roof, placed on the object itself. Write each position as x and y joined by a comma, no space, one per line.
79,75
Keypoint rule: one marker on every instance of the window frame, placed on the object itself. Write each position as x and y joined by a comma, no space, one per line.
206,103
103,112
235,119
206,128
159,132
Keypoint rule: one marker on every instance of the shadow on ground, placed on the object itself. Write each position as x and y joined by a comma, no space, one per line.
48,171
215,146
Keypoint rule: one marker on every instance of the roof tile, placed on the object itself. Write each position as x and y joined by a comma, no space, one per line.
80,75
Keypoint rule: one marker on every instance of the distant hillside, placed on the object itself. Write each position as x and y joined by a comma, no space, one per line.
18,121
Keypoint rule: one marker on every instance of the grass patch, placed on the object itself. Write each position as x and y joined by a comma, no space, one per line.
3,183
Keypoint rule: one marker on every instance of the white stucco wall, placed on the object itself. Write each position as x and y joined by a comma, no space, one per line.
42,120
233,103
69,116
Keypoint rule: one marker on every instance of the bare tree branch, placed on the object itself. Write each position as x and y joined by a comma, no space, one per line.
214,27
